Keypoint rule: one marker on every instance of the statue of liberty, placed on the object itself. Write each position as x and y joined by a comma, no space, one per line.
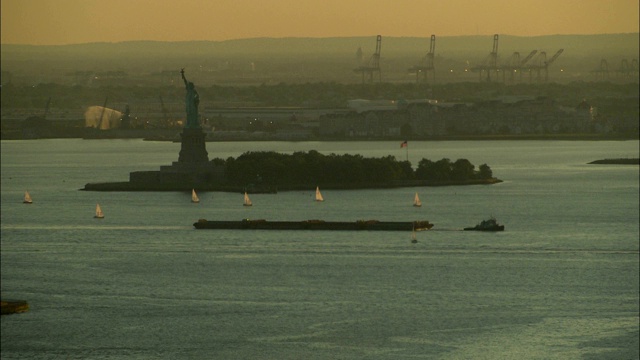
192,100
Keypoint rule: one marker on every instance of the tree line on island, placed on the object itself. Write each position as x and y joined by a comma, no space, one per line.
304,169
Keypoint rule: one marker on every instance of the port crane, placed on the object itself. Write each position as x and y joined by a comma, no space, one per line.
541,63
373,65
125,120
359,55
426,65
104,107
491,62
515,65
628,70
602,72
165,116
624,68
46,109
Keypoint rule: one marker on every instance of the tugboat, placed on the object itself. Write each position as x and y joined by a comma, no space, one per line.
487,225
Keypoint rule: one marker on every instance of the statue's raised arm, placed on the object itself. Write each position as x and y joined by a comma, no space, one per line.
183,78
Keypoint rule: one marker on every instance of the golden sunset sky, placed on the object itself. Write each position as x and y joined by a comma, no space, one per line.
58,22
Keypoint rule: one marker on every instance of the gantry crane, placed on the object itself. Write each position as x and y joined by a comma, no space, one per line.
359,55
515,65
125,119
551,61
602,72
624,68
491,62
46,109
373,65
541,63
627,69
165,116
427,64
104,107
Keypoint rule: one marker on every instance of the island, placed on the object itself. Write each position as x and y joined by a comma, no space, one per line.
304,170
618,161
270,172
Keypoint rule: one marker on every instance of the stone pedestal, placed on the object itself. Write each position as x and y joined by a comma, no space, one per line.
193,170
193,149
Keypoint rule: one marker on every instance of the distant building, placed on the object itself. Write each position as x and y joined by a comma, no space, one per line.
508,115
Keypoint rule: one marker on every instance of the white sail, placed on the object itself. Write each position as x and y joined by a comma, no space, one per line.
247,201
319,195
416,201
99,213
194,196
27,198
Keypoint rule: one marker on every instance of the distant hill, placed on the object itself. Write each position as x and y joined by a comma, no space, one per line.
398,53
578,45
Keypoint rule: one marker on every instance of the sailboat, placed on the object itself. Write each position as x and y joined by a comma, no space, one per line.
414,239
194,197
247,201
99,213
27,198
318,195
416,201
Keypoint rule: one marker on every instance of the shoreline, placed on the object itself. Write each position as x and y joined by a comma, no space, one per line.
248,137
617,161
203,187
493,137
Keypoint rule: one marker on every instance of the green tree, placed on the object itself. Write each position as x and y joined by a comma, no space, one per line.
485,172
442,170
425,169
462,169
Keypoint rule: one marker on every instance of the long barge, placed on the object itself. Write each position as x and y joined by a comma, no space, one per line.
374,225
13,306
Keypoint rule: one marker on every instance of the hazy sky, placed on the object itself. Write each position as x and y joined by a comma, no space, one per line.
53,22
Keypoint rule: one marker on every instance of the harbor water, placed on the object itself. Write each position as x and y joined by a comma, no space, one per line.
561,282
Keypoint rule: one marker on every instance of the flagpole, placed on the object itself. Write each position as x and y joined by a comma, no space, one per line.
405,144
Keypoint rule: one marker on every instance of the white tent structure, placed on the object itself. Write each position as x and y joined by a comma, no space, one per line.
102,118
